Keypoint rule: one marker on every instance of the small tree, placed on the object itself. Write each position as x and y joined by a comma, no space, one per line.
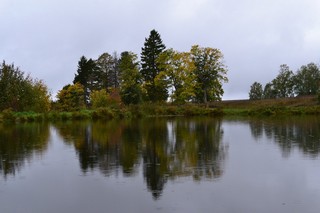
104,65
256,92
71,98
269,91
130,84
283,83
99,98
41,97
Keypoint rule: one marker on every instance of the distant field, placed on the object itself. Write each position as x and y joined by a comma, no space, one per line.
287,102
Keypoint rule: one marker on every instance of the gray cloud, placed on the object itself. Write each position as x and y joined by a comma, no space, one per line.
47,38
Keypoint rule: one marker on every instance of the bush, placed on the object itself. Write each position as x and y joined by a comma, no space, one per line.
99,99
103,113
81,115
8,115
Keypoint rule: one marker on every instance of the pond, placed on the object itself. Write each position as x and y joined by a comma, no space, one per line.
162,165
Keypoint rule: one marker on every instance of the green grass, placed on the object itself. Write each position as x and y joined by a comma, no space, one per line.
274,107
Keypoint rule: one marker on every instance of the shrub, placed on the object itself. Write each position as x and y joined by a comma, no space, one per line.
103,113
8,115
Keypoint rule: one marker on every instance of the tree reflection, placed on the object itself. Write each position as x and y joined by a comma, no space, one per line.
166,149
156,154
101,145
19,143
289,133
199,151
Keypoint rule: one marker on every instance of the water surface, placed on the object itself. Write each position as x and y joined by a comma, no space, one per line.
162,165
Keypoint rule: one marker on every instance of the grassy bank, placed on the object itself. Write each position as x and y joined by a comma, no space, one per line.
306,105
274,107
109,113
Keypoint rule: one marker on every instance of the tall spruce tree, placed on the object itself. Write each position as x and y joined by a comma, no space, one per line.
153,47
86,76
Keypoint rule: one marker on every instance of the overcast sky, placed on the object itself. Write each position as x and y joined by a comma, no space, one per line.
46,38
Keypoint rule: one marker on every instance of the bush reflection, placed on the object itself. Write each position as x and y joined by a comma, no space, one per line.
19,143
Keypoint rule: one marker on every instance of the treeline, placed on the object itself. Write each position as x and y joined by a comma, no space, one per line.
305,81
161,75
19,92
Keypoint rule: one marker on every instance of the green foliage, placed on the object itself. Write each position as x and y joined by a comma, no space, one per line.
306,81
103,114
40,97
8,115
85,76
71,98
210,73
29,117
107,75
179,70
283,83
81,115
99,98
269,92
256,92
153,47
22,93
105,65
130,91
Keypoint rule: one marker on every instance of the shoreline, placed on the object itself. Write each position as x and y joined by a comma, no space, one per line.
242,108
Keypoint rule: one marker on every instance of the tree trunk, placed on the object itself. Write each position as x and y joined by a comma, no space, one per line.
205,100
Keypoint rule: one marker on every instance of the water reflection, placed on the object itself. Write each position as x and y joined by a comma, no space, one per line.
302,133
19,143
166,149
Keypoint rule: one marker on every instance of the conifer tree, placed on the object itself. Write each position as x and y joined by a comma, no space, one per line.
86,76
153,47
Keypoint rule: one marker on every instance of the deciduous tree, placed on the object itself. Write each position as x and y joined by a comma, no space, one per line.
256,92
71,98
283,83
179,70
20,92
307,79
210,73
99,98
269,91
104,65
130,90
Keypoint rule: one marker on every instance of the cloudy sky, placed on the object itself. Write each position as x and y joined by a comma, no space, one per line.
46,38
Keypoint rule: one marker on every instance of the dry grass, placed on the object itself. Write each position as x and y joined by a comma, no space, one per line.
281,102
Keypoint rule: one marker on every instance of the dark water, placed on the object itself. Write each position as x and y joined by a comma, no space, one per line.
162,165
